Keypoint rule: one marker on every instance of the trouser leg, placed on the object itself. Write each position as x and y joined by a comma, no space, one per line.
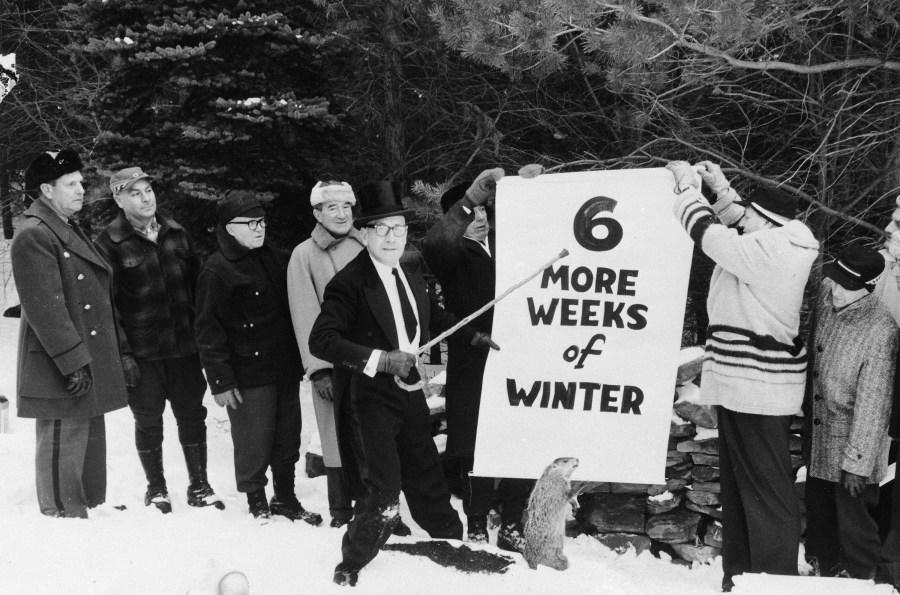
288,424
253,433
60,457
94,473
147,402
185,388
858,531
821,524
513,495
478,492
423,481
758,451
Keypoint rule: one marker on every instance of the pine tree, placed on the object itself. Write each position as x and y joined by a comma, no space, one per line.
211,96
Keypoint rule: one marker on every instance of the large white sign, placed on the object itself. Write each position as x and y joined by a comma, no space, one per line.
589,347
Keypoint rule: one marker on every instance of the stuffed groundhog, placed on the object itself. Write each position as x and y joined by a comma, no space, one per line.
545,517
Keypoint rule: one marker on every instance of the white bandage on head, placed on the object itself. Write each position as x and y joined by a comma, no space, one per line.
331,190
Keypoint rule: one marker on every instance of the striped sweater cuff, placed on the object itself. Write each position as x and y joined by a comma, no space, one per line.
695,216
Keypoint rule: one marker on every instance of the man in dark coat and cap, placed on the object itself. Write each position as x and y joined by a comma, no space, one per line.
249,352
70,366
375,314
459,250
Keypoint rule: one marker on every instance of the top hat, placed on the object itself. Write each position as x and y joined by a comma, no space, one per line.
377,201
857,267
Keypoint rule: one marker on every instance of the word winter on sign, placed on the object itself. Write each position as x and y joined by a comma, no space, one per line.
591,345
610,398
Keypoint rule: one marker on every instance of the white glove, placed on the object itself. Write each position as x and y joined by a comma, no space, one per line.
685,176
713,176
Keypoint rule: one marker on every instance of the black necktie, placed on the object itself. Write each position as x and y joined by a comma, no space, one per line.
409,317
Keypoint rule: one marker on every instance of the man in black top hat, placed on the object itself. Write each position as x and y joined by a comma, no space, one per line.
70,372
248,349
375,314
856,345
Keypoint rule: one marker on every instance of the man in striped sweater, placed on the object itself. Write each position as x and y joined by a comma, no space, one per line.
755,367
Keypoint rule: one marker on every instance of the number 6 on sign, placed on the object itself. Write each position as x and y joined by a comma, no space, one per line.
585,224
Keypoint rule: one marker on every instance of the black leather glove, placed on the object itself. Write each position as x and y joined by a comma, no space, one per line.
396,362
79,382
321,380
483,340
132,371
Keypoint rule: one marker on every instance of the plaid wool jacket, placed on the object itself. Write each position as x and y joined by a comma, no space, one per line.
154,286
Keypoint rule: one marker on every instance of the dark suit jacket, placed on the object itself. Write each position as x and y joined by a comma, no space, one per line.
356,318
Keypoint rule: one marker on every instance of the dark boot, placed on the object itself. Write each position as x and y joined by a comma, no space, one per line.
476,529
156,493
285,502
510,538
199,493
339,504
256,502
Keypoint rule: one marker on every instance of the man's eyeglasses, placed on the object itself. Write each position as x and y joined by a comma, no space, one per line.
381,230
253,224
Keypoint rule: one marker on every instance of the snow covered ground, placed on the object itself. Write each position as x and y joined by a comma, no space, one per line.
139,551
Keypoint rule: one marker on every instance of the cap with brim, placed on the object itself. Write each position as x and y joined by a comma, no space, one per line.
382,212
857,267
126,178
239,203
774,205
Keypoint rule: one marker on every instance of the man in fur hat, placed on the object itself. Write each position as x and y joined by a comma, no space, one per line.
755,367
70,369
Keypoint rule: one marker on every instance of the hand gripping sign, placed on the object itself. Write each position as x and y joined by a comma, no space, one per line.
591,344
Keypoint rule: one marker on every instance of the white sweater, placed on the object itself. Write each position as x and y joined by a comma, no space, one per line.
755,362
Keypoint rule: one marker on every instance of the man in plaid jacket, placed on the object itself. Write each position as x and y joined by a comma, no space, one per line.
155,274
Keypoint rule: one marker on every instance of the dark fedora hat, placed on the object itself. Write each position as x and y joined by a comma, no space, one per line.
377,201
856,267
777,206
453,195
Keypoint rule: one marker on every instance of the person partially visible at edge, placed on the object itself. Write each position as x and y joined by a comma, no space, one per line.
460,250
155,270
333,243
887,290
375,315
756,362
852,381
248,350
70,369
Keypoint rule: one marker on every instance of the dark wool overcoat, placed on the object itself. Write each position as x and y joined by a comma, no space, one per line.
65,287
466,273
